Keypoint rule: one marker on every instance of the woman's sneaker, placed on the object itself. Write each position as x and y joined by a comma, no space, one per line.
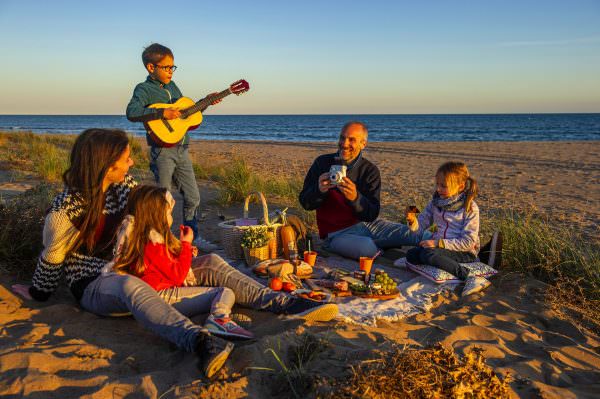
475,284
213,352
311,310
226,327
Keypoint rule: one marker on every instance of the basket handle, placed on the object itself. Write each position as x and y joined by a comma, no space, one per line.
262,198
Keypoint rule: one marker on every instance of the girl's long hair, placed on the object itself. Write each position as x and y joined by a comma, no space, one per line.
93,153
149,206
455,174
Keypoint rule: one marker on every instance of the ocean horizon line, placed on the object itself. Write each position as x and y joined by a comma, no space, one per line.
337,114
321,127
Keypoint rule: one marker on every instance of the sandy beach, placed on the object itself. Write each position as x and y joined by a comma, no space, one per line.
56,350
560,179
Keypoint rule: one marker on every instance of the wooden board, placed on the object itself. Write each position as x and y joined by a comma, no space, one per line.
342,293
393,295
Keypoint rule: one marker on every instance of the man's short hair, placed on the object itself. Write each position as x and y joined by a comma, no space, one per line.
352,123
154,53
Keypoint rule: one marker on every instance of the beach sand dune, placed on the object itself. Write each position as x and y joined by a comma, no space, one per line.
56,350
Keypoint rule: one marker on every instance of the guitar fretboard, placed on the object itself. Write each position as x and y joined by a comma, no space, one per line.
204,103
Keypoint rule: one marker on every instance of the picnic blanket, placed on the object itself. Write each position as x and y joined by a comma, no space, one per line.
416,295
416,292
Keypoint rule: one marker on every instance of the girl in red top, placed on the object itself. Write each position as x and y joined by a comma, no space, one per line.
147,248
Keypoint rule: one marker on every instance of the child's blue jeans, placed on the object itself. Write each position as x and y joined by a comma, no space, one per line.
173,169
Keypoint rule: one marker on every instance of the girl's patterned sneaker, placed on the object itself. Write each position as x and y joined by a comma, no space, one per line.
226,327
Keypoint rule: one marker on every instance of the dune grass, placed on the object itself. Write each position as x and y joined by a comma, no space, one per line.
44,156
236,179
22,221
138,154
557,254
292,374
294,369
434,372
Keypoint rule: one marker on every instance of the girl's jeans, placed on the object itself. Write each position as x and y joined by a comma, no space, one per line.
191,301
212,271
364,238
117,294
442,259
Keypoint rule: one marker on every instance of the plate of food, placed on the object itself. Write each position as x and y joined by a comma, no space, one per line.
281,267
317,296
382,287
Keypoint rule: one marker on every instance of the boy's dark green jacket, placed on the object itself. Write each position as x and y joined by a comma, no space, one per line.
151,92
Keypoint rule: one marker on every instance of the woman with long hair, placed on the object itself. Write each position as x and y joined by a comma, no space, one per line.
79,235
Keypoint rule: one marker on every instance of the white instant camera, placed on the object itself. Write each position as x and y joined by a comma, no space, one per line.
337,173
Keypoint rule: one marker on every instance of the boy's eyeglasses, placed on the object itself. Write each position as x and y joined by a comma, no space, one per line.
166,68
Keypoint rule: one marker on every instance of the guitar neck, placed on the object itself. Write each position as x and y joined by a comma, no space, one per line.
205,102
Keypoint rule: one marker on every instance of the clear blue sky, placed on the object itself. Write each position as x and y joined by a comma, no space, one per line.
75,57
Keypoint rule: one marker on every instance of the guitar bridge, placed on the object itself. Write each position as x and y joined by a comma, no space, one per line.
167,125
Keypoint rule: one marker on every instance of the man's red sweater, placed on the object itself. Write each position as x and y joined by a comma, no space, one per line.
335,213
163,271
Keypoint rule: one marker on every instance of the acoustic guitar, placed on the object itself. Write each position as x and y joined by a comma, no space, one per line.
168,132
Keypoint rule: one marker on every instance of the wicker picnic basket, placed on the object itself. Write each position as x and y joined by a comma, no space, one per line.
231,235
256,255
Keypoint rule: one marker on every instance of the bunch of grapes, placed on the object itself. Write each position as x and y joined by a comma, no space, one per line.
358,288
388,285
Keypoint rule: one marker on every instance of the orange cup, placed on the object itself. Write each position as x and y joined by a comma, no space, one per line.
310,257
365,264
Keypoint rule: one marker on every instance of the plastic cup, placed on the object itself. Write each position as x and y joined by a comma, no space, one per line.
310,257
365,264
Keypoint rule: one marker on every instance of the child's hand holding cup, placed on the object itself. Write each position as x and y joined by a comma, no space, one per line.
186,234
411,214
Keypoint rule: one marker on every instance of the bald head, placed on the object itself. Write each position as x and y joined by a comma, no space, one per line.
353,138
356,124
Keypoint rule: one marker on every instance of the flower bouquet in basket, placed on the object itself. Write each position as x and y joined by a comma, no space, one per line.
255,243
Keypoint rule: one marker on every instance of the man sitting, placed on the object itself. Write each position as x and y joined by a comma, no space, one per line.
347,211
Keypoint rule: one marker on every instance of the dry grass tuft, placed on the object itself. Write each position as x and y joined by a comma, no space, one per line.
558,255
46,156
237,179
293,376
22,221
420,373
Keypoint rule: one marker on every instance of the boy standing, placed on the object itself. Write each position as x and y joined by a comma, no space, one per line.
169,164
